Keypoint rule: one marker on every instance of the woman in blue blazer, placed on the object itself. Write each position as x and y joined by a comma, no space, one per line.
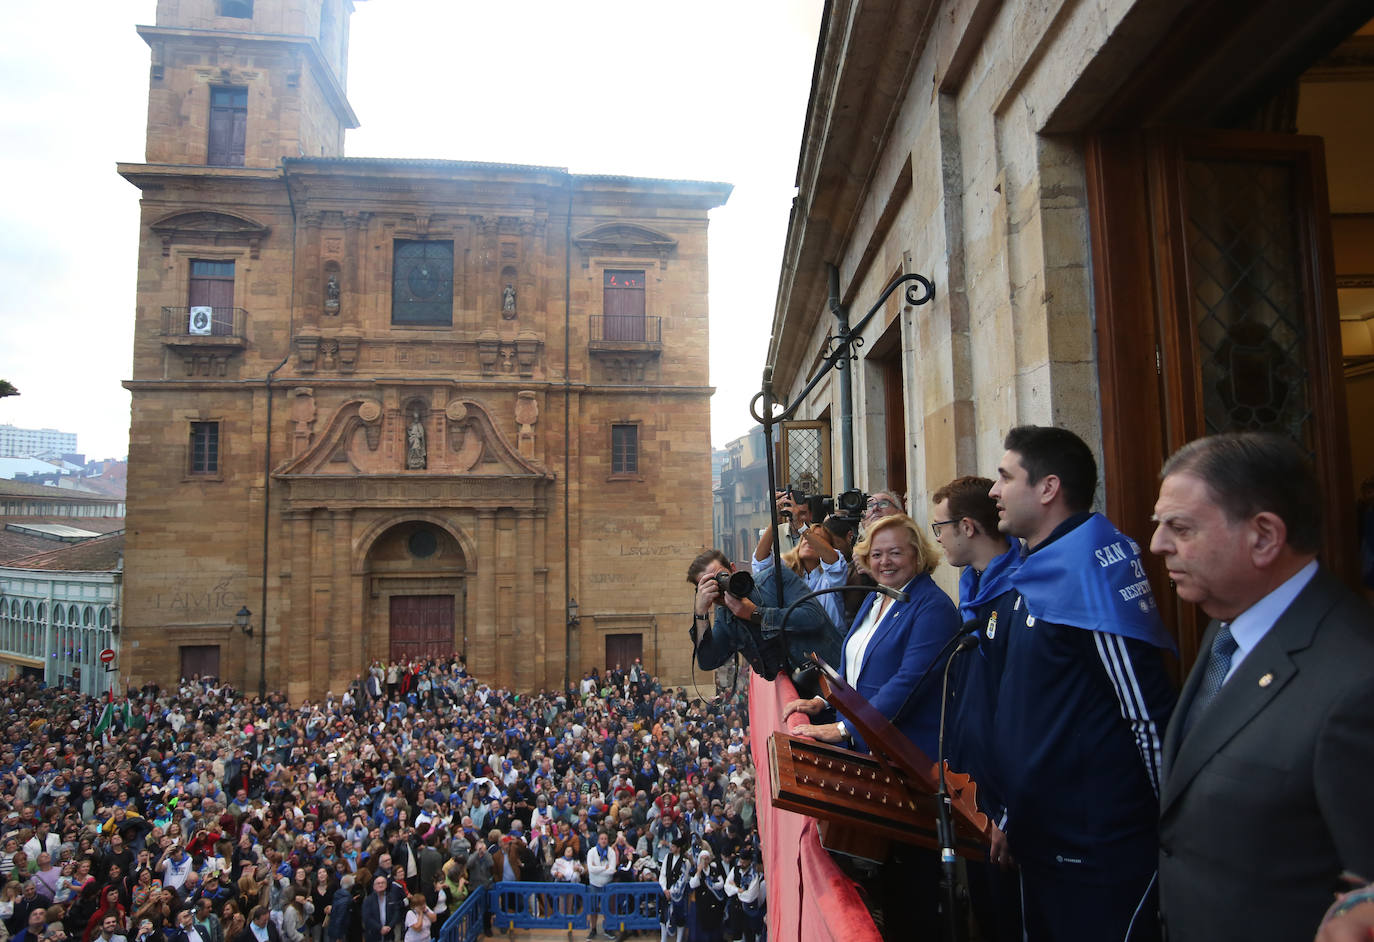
891,644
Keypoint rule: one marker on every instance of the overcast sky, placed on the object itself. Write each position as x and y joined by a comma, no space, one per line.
711,90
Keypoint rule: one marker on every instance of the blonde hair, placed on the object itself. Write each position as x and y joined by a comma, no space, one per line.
792,558
926,557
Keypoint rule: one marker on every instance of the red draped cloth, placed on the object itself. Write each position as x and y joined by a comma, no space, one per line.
809,899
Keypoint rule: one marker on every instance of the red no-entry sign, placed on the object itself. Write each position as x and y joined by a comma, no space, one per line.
107,656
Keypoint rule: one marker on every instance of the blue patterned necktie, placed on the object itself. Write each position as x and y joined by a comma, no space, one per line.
1218,665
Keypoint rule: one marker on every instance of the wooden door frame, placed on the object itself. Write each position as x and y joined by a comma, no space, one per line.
1148,374
1317,282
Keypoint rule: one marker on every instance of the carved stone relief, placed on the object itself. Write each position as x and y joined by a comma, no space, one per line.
302,418
205,364
464,437
370,411
498,356
461,439
526,415
327,353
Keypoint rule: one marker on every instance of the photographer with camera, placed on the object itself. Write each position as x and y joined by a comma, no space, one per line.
748,621
814,558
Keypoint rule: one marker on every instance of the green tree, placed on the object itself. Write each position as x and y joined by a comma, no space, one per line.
6,389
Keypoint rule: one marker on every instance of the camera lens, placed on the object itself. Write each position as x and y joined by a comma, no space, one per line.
738,584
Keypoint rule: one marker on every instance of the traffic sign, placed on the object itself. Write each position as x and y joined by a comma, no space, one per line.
107,656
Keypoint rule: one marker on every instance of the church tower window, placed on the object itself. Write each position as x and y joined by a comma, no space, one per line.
228,126
242,9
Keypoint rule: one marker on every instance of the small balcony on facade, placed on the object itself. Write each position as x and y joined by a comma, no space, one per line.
622,335
205,337
204,325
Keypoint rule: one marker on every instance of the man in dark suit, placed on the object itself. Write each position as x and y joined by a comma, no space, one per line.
185,929
383,911
260,927
1269,755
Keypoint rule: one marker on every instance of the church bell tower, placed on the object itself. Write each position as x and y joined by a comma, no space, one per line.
244,83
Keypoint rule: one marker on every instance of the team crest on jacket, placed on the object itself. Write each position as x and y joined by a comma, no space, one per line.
991,630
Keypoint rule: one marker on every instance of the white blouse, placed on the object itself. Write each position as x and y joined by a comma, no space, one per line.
857,645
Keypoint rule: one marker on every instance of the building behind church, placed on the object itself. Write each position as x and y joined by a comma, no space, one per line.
400,407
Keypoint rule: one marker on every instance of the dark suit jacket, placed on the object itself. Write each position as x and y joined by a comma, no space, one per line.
273,935
395,915
902,647
1267,799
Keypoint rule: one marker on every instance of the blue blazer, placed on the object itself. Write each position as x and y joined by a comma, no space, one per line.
905,643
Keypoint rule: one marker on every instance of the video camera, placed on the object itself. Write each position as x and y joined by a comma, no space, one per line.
848,505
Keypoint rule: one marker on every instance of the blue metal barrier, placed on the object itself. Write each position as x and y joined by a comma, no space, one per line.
629,906
465,925
624,906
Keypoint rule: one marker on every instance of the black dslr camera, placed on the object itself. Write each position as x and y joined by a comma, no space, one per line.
738,584
849,505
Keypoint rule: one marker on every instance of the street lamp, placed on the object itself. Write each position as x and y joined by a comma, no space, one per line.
244,619
573,620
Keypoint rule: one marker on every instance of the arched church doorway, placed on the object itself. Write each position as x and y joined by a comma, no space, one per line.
416,578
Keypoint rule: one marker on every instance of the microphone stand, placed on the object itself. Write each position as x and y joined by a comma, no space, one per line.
949,876
894,594
959,638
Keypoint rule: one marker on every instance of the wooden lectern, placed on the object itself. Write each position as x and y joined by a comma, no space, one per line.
865,801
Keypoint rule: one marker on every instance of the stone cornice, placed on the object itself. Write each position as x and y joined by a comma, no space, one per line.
413,490
146,175
360,381
328,81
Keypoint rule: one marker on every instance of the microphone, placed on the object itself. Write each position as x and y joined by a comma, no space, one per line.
802,674
896,594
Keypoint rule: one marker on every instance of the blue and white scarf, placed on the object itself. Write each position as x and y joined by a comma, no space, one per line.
1092,577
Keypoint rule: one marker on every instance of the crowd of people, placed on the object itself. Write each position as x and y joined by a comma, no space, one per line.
202,815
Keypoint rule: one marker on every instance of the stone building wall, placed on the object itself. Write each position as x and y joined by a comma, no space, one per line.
965,187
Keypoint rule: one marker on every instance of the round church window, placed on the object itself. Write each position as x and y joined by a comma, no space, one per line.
422,544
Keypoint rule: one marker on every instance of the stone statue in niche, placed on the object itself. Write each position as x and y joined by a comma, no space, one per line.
331,294
508,302
416,453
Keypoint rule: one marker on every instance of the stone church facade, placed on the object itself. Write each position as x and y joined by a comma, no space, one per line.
402,407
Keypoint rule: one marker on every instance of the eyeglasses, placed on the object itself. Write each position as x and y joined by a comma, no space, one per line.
878,503
937,524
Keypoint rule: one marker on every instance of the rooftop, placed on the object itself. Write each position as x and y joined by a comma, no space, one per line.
16,489
102,554
29,540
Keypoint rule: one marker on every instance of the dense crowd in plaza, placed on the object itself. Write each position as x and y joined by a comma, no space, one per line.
202,815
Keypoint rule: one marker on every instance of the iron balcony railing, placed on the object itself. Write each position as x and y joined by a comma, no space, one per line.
204,322
630,329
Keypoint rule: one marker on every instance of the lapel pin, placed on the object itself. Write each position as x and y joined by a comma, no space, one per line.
1266,680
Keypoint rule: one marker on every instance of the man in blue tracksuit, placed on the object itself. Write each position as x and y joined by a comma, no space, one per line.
965,523
1081,703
